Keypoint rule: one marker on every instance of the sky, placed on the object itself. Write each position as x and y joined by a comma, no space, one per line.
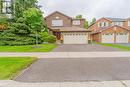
88,8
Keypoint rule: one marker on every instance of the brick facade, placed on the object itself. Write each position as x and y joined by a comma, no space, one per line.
110,29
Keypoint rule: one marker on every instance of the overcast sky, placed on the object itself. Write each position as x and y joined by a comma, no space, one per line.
88,8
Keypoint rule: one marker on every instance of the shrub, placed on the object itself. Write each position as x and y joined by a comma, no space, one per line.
48,38
51,39
20,29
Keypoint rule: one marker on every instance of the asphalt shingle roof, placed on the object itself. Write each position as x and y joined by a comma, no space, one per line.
117,19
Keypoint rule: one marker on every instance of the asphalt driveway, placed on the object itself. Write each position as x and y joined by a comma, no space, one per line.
125,44
84,48
77,70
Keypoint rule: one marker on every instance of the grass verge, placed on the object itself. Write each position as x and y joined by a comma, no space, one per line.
11,66
125,48
28,48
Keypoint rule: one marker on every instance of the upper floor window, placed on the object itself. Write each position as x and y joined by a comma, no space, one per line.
57,23
118,23
129,23
76,22
6,7
102,24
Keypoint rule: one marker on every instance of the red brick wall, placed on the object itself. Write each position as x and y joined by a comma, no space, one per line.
95,27
67,22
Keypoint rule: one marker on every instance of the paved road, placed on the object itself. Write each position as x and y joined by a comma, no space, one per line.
77,70
84,48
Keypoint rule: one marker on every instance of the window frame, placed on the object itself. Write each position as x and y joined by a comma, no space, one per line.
76,22
54,24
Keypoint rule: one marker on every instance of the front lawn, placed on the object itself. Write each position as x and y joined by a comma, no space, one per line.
28,48
11,66
126,48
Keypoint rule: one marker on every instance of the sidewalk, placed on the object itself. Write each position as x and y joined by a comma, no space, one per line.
10,83
68,54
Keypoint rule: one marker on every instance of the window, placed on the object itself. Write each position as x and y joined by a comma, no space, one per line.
76,22
118,23
57,23
6,7
103,24
129,23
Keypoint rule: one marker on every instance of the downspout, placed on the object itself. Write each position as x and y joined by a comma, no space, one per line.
115,34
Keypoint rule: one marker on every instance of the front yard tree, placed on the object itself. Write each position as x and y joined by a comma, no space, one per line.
85,23
22,5
93,21
34,20
79,16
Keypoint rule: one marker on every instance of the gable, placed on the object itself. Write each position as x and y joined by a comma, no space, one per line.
56,13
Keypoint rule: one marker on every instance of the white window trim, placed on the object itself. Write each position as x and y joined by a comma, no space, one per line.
57,23
128,23
103,24
76,22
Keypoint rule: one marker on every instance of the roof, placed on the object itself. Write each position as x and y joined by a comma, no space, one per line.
105,28
70,29
78,18
57,12
117,19
111,19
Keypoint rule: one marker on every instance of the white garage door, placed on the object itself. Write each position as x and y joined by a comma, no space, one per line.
75,38
107,38
122,38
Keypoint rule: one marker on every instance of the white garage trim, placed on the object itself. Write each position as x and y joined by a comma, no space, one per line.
75,38
108,38
122,38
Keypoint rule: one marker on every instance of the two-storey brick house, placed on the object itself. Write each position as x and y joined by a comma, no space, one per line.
111,30
70,30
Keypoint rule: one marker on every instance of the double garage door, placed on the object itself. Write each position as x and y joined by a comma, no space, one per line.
75,38
115,38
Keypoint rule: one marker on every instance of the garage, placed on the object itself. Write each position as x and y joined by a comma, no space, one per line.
122,38
108,38
75,35
75,38
115,38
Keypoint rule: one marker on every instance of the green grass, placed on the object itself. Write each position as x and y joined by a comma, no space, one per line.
125,48
28,48
11,66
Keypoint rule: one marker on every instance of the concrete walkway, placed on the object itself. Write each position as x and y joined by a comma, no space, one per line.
10,83
68,54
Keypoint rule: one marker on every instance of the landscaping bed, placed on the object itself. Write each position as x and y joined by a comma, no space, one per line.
11,66
28,48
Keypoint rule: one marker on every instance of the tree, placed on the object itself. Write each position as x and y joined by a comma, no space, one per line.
86,24
34,20
79,16
22,5
93,21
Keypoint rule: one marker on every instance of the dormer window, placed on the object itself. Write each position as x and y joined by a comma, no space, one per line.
102,24
118,23
76,22
129,23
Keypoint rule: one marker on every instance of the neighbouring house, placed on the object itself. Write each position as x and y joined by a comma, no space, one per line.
111,30
70,30
6,8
